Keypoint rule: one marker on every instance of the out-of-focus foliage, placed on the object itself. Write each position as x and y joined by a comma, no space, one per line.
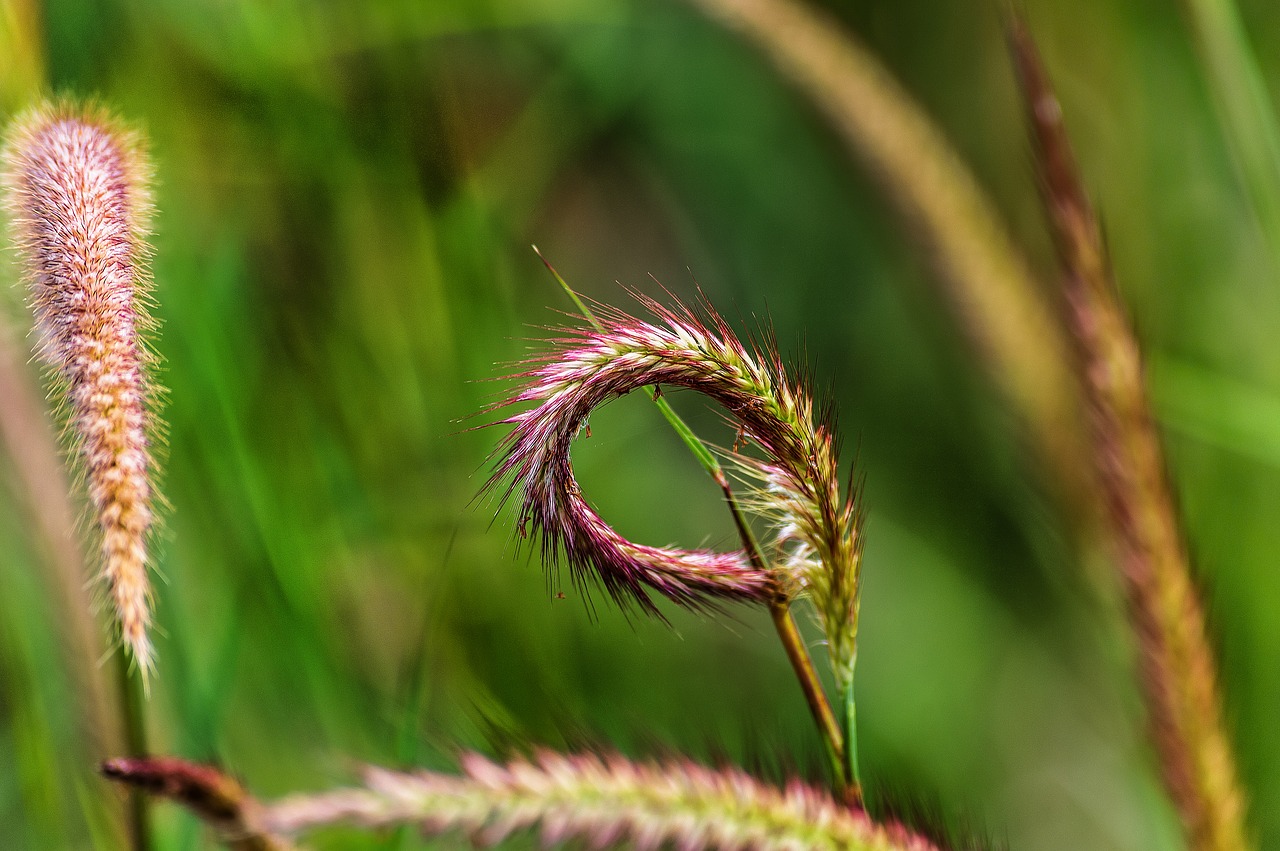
346,196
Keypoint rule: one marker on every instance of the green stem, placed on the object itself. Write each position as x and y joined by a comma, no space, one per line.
132,712
851,743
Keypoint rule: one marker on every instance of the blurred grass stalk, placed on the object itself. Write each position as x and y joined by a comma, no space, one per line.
986,280
1177,664
1244,109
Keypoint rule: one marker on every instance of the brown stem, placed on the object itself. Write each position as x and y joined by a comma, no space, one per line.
749,544
219,800
802,664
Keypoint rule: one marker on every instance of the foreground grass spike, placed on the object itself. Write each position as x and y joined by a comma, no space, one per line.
220,801
602,801
799,480
1178,669
76,192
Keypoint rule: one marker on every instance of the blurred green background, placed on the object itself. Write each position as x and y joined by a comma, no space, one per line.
346,196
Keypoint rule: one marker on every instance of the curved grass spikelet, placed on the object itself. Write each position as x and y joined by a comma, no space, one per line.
603,801
76,193
797,479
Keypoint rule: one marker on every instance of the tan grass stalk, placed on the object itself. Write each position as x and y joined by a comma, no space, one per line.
987,281
1177,663
76,192
602,801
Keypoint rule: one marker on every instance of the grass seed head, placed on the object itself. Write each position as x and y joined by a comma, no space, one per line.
602,801
76,193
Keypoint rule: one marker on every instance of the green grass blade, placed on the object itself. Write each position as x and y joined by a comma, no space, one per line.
1245,111
1217,410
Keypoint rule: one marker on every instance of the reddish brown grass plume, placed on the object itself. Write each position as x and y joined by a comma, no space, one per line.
1178,669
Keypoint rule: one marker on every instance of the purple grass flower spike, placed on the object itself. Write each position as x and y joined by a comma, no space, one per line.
796,483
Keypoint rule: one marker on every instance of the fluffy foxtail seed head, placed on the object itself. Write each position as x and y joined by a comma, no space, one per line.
798,485
600,801
76,194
